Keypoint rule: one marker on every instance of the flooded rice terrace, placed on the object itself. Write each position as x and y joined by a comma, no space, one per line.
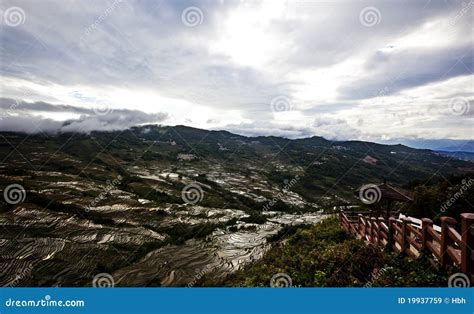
219,254
69,229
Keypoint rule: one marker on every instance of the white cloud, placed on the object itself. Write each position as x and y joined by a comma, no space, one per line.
365,82
18,116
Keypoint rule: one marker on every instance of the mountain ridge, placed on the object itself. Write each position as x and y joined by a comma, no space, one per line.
330,166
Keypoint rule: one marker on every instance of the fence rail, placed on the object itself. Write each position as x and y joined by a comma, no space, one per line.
413,236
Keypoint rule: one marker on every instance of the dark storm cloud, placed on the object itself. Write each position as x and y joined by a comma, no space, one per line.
20,116
390,72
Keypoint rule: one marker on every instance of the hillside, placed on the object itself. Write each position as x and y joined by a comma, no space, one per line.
324,255
327,168
155,205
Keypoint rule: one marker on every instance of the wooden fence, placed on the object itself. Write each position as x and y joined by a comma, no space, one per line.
412,236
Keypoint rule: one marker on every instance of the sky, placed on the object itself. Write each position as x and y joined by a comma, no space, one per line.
382,71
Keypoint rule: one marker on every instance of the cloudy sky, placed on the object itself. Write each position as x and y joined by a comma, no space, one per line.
380,71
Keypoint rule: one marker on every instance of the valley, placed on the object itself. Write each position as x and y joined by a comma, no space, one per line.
164,206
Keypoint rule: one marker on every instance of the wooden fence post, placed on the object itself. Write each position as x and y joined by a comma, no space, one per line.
467,247
374,229
403,245
368,229
425,236
391,233
380,222
360,226
446,240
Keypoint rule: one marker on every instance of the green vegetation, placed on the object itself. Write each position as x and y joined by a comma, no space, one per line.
433,198
449,196
402,271
324,255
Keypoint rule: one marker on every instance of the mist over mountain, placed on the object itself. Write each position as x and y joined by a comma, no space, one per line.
43,117
324,158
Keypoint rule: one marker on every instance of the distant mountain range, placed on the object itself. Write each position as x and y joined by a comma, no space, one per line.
437,145
326,168
468,156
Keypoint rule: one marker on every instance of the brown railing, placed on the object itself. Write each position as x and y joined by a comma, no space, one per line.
412,236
